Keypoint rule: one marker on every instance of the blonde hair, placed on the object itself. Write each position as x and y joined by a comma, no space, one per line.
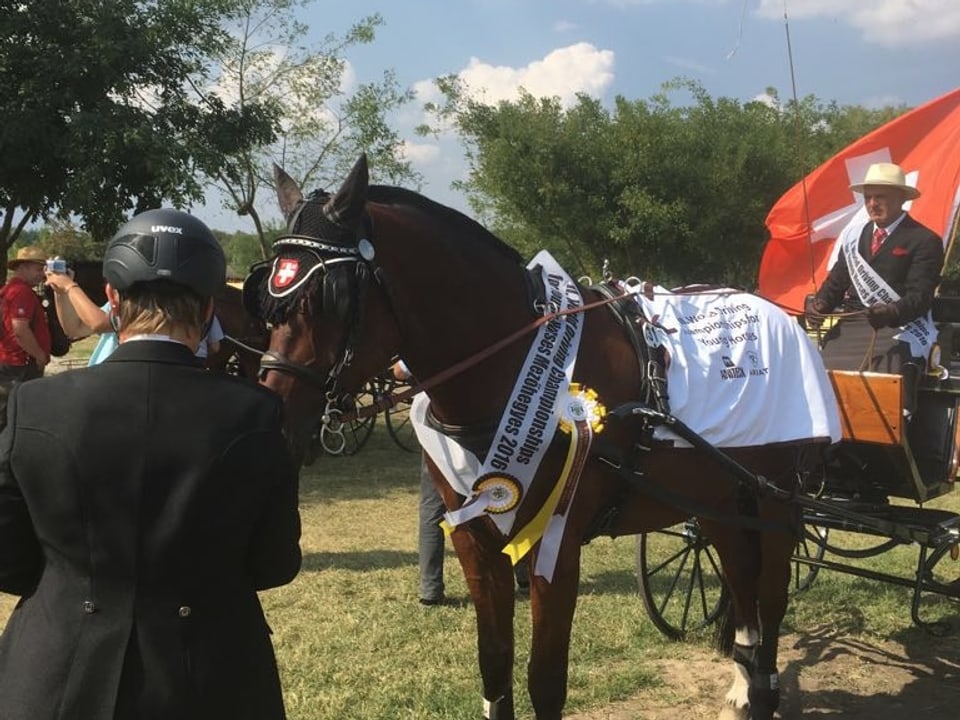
159,307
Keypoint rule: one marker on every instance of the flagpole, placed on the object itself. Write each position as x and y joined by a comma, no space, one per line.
800,151
951,241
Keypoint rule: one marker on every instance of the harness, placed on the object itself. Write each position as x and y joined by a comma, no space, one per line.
346,268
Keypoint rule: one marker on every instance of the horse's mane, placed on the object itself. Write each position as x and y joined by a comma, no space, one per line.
275,310
391,195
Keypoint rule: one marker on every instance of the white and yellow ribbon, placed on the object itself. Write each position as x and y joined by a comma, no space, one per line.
581,416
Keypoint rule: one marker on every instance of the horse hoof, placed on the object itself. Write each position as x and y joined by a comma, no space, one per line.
729,712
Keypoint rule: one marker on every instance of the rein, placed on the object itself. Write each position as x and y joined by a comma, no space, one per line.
387,401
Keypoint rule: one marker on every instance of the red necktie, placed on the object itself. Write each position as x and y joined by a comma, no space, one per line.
878,237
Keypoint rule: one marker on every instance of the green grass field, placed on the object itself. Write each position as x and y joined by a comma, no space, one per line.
353,642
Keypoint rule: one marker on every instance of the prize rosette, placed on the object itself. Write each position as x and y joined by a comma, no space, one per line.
502,492
581,406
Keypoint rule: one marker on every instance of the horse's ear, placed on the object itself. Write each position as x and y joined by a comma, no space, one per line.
347,205
288,192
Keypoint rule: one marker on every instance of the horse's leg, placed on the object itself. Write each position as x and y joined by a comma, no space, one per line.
740,560
552,606
489,577
773,585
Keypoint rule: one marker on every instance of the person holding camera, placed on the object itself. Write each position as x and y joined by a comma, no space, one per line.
143,504
80,316
24,336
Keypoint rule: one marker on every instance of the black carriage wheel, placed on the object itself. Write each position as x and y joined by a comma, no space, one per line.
812,546
398,421
680,580
358,431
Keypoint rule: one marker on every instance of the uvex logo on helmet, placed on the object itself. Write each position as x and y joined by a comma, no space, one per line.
167,229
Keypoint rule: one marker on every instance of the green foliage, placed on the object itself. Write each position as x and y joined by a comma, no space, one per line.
322,128
66,240
99,115
674,188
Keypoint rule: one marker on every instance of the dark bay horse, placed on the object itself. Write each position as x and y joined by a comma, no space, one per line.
245,336
376,273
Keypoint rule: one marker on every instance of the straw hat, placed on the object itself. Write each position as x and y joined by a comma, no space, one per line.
31,253
889,175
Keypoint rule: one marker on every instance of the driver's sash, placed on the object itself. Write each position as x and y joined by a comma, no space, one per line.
920,334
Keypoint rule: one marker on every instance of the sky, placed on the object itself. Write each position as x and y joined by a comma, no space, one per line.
855,52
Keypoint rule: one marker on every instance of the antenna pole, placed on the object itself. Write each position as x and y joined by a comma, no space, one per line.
800,148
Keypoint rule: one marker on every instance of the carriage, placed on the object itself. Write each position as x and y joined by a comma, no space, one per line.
371,273
875,485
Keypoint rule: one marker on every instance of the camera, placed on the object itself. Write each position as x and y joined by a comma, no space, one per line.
57,265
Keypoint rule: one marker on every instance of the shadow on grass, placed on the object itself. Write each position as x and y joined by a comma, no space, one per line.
916,673
379,469
611,582
358,561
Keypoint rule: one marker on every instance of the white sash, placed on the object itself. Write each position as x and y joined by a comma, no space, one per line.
529,421
920,334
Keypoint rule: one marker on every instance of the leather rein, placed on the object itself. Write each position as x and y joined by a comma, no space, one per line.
389,400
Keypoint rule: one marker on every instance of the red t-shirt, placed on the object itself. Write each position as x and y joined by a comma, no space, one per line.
19,301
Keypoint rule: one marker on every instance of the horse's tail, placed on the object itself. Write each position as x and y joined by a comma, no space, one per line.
726,626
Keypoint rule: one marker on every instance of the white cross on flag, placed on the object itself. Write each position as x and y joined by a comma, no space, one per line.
925,142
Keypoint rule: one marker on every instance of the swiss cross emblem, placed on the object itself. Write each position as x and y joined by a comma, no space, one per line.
286,272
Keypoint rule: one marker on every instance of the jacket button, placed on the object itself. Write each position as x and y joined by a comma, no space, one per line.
88,607
184,611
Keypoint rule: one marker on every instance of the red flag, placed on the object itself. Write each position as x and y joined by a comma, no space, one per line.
925,142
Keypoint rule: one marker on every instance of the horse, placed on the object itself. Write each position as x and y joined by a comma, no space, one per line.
373,273
245,336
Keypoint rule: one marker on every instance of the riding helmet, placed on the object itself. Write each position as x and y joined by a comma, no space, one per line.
165,244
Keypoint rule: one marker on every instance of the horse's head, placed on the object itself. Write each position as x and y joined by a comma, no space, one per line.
331,326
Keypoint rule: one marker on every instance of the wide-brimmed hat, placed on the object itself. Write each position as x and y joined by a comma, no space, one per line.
31,253
889,175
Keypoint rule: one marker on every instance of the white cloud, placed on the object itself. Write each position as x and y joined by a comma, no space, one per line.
579,68
891,23
420,153
563,26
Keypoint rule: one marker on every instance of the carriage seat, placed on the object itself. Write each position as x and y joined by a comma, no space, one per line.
915,459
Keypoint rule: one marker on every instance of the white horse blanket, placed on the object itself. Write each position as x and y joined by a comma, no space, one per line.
740,371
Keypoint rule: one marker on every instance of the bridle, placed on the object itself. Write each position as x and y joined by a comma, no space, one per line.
328,254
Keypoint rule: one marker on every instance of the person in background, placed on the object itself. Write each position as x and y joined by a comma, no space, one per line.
210,342
80,317
430,537
891,249
143,504
24,336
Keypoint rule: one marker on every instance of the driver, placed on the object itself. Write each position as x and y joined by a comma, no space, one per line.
885,274
143,503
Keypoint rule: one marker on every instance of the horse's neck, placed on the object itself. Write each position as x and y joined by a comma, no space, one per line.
463,316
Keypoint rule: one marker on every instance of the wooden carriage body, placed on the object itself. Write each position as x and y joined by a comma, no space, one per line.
916,460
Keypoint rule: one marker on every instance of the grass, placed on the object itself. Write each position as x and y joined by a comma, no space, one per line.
352,641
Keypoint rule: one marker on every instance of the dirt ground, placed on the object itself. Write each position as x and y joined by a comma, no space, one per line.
822,674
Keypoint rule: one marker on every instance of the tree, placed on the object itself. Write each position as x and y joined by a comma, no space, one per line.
323,128
99,115
677,192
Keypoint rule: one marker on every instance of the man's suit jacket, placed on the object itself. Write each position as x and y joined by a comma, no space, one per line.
143,502
910,261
